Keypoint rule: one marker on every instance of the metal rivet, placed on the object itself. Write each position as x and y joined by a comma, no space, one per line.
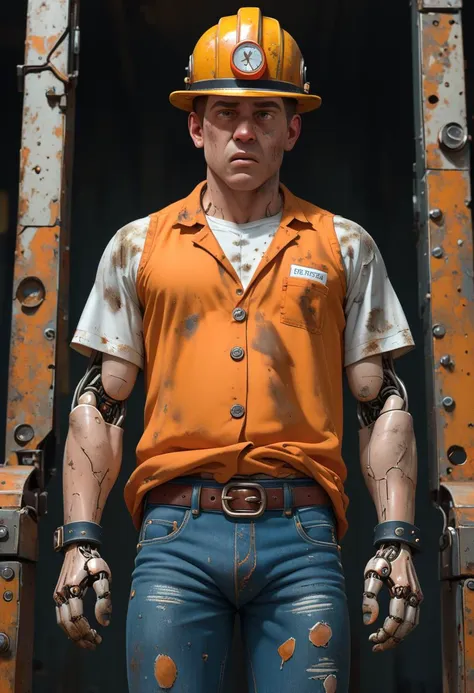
239,314
4,642
448,403
237,411
460,241
439,330
23,433
470,585
7,573
30,292
385,571
399,531
437,251
8,596
4,534
453,136
37,169
49,333
446,360
237,353
457,455
436,213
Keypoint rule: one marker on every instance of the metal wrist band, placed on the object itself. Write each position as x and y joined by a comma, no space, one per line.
77,533
396,531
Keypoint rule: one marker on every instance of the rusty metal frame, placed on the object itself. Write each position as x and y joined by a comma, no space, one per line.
446,297
39,318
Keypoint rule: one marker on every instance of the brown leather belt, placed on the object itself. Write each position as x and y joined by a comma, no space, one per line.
239,499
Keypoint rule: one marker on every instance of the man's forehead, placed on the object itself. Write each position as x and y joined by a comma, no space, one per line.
245,102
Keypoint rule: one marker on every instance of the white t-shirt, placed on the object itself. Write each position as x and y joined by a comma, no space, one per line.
115,326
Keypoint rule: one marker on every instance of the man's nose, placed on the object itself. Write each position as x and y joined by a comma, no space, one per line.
244,132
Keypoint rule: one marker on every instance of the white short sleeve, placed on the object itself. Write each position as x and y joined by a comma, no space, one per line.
375,321
111,321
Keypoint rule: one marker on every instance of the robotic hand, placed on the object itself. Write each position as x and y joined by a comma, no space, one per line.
82,568
393,566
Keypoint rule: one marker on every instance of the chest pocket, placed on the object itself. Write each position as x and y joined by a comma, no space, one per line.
303,303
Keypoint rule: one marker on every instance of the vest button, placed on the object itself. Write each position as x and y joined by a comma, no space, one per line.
239,314
239,292
237,353
237,411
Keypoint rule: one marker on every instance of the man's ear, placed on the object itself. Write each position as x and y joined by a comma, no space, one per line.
294,131
195,129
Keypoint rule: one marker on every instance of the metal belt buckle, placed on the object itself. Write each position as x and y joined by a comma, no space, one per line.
261,499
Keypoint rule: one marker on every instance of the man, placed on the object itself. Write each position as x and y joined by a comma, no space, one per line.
242,303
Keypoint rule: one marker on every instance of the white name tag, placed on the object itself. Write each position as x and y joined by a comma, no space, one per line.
308,273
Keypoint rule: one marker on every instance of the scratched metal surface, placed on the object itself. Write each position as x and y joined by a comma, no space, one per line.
134,155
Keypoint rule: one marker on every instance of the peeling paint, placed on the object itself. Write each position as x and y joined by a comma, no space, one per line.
286,650
165,671
330,684
320,634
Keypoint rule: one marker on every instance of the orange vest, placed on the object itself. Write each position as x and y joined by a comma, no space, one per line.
241,382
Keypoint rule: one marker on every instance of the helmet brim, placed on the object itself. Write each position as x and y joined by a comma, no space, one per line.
184,99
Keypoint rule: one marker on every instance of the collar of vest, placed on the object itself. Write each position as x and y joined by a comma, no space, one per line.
191,213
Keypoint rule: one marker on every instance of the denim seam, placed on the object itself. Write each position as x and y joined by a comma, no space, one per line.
221,677
169,537
236,576
252,671
308,539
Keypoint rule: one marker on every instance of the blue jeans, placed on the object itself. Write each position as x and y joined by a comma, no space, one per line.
281,573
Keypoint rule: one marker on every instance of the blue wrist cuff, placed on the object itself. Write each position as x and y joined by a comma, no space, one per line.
77,533
394,531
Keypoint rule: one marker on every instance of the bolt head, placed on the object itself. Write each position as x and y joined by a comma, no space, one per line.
3,533
436,213
8,596
448,403
439,330
7,573
437,251
470,585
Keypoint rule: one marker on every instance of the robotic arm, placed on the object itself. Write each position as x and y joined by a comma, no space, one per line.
92,461
389,465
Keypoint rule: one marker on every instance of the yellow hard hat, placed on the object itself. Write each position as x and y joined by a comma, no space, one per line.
246,55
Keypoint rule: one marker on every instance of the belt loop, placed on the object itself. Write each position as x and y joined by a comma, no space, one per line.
196,500
287,500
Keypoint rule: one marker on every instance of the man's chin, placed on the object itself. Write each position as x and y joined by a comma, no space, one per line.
243,181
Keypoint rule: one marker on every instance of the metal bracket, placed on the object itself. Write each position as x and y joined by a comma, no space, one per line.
435,5
18,534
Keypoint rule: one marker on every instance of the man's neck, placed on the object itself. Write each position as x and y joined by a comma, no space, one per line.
241,206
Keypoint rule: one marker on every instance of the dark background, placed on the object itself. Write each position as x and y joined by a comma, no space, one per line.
133,156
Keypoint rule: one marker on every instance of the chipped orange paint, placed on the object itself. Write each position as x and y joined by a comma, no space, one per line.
12,485
165,671
468,627
54,212
452,305
286,650
437,46
320,634
38,44
32,356
58,131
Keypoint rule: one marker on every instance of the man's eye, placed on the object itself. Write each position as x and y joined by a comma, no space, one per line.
264,115
226,114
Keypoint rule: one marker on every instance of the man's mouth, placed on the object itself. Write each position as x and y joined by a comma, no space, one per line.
243,156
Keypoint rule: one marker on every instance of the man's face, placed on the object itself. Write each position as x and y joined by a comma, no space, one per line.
244,139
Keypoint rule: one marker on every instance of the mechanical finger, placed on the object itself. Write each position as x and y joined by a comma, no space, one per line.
391,623
103,605
379,565
412,617
372,586
59,620
95,566
67,622
80,621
